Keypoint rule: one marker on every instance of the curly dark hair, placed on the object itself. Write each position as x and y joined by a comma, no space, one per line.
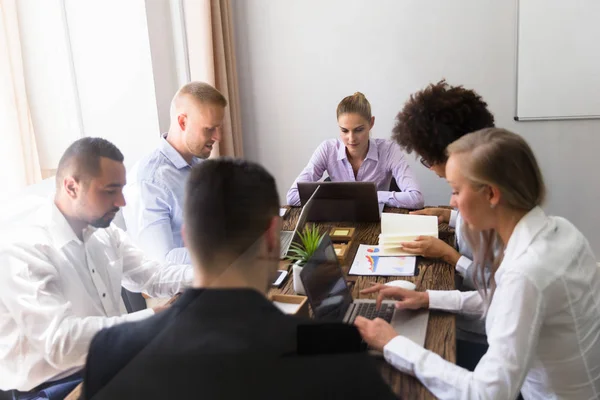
438,115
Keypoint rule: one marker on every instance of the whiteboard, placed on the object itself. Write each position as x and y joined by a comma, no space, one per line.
558,59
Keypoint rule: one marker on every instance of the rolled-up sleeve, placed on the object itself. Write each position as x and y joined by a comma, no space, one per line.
141,274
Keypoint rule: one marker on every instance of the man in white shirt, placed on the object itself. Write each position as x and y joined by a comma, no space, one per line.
154,212
62,271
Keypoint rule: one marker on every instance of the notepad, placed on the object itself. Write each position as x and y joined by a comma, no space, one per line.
341,232
399,228
287,308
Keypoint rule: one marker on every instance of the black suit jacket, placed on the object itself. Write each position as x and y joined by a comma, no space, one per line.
228,343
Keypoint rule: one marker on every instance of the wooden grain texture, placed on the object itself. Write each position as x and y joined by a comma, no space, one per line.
433,274
76,393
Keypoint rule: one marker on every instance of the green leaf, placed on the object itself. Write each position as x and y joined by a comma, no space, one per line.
310,239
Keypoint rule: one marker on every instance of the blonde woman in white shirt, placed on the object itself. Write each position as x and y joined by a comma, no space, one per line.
543,300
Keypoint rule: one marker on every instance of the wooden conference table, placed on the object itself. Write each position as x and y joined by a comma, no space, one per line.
441,330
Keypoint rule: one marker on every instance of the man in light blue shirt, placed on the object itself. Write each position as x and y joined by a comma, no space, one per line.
155,192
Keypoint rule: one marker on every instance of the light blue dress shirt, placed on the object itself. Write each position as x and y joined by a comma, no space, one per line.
154,211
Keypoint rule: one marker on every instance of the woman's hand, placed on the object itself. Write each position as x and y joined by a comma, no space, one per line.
443,214
432,247
377,333
406,299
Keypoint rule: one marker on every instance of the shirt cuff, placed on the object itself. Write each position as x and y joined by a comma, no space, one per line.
453,216
463,265
403,353
384,197
139,315
446,300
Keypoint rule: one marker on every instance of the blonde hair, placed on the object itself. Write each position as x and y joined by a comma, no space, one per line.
204,93
500,158
355,104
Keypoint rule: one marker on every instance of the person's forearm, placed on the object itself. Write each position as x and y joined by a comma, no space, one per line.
451,256
445,216
178,255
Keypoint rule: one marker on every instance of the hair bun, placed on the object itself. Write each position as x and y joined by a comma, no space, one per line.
358,94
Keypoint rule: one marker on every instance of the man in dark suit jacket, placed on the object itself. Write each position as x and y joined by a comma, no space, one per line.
223,338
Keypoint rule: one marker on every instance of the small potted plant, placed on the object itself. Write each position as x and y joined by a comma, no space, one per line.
310,239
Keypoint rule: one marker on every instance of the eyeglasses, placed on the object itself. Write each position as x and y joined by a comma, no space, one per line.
425,163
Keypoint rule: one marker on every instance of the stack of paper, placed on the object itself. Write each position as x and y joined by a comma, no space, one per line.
398,228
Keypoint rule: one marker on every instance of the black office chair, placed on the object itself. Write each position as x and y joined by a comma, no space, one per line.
133,301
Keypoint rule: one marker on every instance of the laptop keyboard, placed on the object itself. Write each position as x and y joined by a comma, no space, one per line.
369,311
285,241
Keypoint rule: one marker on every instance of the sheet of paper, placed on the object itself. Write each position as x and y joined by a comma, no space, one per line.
287,308
282,211
369,260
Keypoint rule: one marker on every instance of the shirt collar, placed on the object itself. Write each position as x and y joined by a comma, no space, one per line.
60,230
228,301
173,155
372,153
525,232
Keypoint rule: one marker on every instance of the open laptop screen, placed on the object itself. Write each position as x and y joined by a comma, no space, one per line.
341,201
325,284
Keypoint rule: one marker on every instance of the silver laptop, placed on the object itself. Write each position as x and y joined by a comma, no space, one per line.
331,300
287,237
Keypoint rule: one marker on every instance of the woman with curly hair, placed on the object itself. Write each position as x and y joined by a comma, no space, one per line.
355,156
430,120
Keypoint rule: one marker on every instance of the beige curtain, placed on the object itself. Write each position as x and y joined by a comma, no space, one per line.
211,55
19,161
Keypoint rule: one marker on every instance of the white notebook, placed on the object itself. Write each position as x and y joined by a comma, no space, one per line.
398,228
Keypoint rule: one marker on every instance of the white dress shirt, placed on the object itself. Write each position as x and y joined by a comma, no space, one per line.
543,324
466,254
57,291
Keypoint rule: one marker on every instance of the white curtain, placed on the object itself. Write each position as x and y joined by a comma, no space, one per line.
211,53
19,160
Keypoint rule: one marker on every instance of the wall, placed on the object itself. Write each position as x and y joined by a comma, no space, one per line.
298,58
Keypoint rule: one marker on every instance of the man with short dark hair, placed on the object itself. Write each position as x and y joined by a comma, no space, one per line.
61,274
154,214
223,338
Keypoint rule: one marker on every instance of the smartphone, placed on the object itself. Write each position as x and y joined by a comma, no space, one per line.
279,278
283,212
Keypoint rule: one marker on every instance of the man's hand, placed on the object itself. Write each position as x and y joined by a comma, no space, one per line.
432,247
377,333
162,308
443,214
406,299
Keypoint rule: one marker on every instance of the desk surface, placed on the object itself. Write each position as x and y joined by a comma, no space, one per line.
441,330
